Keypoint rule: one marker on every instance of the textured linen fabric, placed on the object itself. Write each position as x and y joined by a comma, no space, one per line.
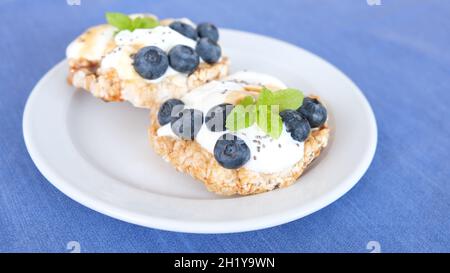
396,52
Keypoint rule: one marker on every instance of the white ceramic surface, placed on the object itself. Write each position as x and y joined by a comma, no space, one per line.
97,153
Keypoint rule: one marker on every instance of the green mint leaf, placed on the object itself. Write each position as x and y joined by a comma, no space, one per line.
269,120
287,99
241,117
265,97
119,20
265,111
144,22
136,23
248,100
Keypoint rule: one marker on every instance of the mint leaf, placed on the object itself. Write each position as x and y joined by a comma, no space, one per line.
287,99
240,117
248,100
144,22
265,111
269,120
265,97
123,22
119,20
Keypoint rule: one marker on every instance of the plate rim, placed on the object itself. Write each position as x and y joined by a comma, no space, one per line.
195,226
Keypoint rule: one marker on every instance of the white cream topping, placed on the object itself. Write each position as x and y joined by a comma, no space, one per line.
92,44
255,78
161,36
128,42
99,44
268,155
96,41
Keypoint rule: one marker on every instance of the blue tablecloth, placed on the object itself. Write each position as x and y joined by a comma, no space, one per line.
397,53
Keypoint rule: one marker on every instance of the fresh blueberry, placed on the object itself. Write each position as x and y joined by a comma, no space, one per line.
150,62
301,133
313,111
231,152
208,50
183,59
168,110
207,30
187,123
215,118
296,124
185,29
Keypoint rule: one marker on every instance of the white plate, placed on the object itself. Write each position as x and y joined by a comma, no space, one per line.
97,153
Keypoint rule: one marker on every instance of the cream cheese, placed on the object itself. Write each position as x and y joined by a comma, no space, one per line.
268,155
115,51
129,42
93,44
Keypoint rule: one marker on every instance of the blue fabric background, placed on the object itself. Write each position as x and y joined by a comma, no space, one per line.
397,53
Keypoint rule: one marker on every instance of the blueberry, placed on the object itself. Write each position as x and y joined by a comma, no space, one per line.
187,123
301,133
183,59
207,30
208,50
231,152
150,62
296,124
215,118
313,111
185,29
168,110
